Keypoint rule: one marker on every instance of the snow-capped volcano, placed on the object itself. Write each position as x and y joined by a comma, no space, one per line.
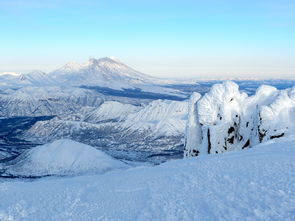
108,73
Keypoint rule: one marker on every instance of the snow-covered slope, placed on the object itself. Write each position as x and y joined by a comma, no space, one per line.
226,119
61,157
36,78
156,119
110,110
7,79
41,101
255,184
159,118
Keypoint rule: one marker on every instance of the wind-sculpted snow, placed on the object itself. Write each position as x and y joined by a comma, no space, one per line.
255,184
61,157
226,119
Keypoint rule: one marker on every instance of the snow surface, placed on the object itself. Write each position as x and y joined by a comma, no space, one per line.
254,184
61,157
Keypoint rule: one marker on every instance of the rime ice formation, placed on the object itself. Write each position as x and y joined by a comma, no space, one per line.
193,129
226,119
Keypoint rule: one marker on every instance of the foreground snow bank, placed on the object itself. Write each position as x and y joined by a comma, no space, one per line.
62,157
255,184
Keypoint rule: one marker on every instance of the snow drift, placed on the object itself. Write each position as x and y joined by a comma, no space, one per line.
226,119
62,157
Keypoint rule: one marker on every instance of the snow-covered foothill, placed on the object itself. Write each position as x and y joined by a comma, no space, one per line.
61,157
111,110
156,119
230,120
254,184
45,101
159,117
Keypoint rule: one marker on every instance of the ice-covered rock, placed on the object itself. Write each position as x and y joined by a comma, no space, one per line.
229,119
62,157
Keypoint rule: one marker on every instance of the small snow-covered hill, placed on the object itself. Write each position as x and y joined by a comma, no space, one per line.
61,157
254,184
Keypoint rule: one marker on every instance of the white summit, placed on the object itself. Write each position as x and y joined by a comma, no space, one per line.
62,157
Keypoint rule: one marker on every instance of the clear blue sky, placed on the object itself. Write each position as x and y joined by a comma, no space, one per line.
164,38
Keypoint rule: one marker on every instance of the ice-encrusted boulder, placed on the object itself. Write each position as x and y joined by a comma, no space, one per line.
62,157
226,119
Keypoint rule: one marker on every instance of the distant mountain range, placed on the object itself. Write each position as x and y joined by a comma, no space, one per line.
100,73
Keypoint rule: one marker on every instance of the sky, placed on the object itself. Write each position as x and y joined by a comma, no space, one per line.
194,39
